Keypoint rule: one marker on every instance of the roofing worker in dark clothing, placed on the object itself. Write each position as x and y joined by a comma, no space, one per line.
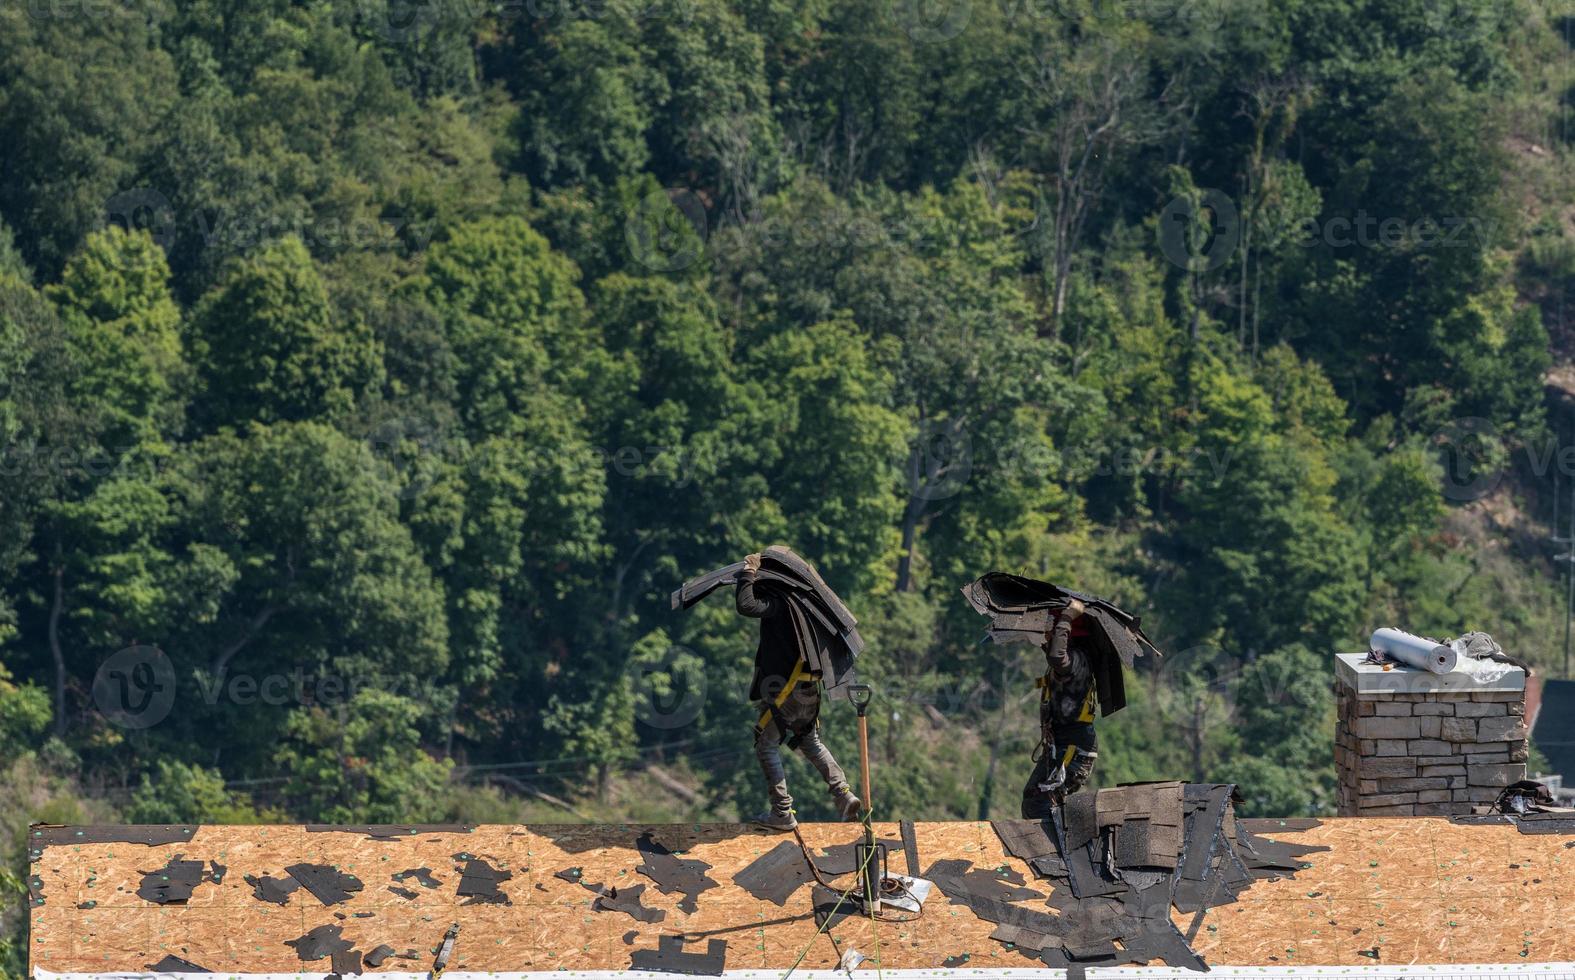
788,695
1067,745
1088,642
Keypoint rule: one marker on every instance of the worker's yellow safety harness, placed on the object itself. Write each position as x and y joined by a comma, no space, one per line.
1087,714
799,674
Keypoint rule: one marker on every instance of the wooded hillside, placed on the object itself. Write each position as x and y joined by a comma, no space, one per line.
369,375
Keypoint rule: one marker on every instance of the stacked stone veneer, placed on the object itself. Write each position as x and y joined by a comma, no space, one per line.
1414,743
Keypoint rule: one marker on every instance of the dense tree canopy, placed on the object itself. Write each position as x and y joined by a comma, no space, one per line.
375,371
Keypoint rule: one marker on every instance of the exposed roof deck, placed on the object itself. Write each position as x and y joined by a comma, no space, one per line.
1385,892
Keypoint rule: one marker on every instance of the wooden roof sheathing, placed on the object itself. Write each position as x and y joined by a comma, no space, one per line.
1387,892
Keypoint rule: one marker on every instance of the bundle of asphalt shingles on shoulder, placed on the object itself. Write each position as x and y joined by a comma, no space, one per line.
827,632
1117,861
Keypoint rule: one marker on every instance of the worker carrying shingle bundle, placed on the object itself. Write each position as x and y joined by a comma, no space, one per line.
807,639
788,694
1068,746
1086,641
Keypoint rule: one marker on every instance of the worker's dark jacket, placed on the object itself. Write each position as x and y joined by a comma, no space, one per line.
1069,691
778,652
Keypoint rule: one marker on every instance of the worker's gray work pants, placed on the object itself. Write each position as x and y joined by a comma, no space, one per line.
797,723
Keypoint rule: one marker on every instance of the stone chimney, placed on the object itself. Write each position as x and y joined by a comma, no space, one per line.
1410,742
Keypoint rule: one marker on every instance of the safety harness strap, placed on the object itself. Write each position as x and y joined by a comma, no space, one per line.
799,674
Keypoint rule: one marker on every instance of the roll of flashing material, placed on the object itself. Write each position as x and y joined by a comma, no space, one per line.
1415,651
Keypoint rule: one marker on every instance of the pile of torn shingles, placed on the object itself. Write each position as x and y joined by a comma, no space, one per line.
1117,861
1561,821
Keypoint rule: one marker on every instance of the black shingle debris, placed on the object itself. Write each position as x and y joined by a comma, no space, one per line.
275,890
672,874
346,963
1117,862
827,632
326,883
320,942
669,956
375,958
422,875
478,881
831,905
625,900
1022,610
841,859
775,875
910,847
42,835
383,831
171,884
174,964
1533,822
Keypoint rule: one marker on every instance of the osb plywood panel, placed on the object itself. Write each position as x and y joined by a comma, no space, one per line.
1390,891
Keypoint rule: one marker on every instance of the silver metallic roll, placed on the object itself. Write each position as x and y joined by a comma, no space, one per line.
1414,651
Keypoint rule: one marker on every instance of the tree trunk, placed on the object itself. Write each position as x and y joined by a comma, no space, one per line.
222,662
1063,272
1198,713
57,605
987,787
910,537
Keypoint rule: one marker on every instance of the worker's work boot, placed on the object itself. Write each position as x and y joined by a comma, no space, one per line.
849,807
775,819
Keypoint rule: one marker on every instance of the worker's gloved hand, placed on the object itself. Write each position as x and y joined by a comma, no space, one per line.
1079,769
1063,620
1054,781
752,562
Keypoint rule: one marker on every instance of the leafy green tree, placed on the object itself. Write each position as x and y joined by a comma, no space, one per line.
597,729
362,761
24,714
513,315
174,792
585,93
124,330
677,89
46,438
81,98
268,347
683,438
1404,502
11,262
1284,713
1271,560
954,328
388,365
837,482
275,555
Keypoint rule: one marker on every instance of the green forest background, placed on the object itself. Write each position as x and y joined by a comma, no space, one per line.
369,376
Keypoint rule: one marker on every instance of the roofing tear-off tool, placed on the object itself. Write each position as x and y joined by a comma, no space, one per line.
869,856
445,951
